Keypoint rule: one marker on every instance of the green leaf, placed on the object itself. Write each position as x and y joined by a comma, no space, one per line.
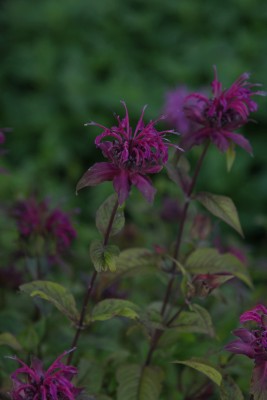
204,368
55,294
196,320
139,383
222,207
109,308
136,258
7,339
104,213
103,257
230,156
229,390
210,261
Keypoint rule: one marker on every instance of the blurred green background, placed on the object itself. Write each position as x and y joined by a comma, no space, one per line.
64,63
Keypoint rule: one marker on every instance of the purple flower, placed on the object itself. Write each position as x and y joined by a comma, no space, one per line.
34,383
222,114
175,113
253,344
131,156
58,225
35,219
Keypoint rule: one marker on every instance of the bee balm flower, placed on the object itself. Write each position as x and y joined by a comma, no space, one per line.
34,383
223,113
132,155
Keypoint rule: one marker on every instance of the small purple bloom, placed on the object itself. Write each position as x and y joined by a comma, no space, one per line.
131,156
35,219
174,110
253,344
223,113
58,225
34,383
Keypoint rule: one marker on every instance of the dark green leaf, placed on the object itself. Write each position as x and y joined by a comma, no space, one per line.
55,294
103,257
205,368
222,207
139,383
104,213
196,320
210,261
110,308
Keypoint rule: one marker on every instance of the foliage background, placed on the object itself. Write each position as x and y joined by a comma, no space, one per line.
67,62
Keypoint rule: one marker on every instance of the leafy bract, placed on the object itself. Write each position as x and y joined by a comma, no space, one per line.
55,294
139,383
210,261
104,213
109,308
204,367
230,157
104,257
222,207
7,339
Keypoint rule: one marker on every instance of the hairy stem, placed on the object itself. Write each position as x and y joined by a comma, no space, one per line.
91,286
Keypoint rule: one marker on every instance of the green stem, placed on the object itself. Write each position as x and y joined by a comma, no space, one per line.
91,286
181,226
176,251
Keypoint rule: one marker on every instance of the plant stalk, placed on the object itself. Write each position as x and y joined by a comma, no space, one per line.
91,286
176,251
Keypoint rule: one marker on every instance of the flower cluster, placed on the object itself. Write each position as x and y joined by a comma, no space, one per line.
34,383
219,116
131,156
253,344
36,219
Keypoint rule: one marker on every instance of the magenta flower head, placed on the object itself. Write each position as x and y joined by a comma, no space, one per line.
132,155
253,344
36,219
34,383
223,113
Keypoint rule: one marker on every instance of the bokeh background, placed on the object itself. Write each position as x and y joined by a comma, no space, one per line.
66,62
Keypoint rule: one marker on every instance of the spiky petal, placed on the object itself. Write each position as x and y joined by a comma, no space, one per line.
132,155
219,116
